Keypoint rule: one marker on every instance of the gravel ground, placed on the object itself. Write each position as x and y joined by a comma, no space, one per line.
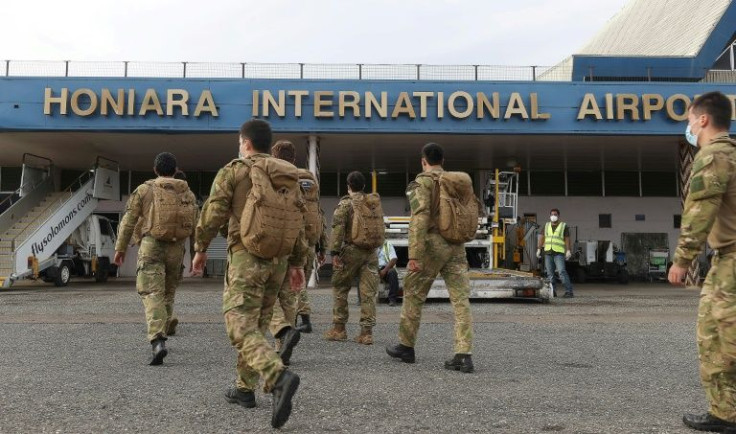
615,359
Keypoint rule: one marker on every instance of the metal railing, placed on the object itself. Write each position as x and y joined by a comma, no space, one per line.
336,71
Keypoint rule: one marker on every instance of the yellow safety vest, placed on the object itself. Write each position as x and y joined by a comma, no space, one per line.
554,240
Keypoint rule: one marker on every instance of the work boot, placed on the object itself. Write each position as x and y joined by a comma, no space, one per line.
171,326
365,337
305,326
283,391
568,295
461,362
399,351
336,333
246,398
392,303
289,340
159,351
708,422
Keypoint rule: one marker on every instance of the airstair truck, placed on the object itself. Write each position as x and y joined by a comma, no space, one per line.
53,235
486,252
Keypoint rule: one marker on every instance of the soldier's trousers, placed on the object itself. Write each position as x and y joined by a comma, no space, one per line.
284,310
302,299
251,287
157,276
717,336
451,262
355,262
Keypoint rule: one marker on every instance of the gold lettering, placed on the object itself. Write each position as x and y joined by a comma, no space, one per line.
254,104
733,106
352,103
49,98
516,107
651,102
483,104
131,102
440,105
206,104
279,106
92,102
371,103
319,103
469,105
298,95
535,108
177,97
423,97
627,102
403,106
589,107
150,102
609,107
117,105
670,107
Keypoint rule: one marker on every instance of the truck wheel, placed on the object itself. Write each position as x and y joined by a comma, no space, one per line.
63,274
103,270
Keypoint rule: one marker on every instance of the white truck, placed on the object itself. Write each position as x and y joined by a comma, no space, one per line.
485,252
53,235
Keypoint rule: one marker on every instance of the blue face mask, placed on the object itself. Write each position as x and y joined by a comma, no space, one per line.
690,137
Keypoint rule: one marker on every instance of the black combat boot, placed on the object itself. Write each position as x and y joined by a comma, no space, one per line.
283,391
159,350
305,326
289,338
399,351
246,398
461,362
708,422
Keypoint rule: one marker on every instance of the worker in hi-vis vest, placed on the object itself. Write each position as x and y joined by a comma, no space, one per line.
556,242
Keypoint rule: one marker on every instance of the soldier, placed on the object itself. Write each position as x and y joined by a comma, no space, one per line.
165,211
252,283
316,254
709,213
353,254
430,254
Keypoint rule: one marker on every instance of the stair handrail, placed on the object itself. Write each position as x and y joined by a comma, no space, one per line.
81,179
51,163
31,184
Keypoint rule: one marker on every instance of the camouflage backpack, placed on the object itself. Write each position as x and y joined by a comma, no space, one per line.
273,213
313,213
172,210
457,207
367,228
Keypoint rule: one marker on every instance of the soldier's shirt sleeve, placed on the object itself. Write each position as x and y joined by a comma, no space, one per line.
339,224
708,182
216,209
322,243
133,212
419,193
298,257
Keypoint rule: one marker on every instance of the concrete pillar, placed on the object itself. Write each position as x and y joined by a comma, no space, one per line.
313,166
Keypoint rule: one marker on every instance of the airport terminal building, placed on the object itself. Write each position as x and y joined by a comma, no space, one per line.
600,136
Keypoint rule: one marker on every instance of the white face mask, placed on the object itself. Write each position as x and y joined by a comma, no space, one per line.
553,218
690,137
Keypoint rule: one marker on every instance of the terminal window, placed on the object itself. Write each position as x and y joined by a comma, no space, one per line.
622,183
677,220
604,220
547,183
663,184
584,183
10,178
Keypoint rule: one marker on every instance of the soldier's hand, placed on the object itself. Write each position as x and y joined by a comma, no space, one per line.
119,258
336,262
414,266
676,276
296,278
200,259
321,258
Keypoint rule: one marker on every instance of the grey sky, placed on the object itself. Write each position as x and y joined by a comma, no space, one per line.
491,32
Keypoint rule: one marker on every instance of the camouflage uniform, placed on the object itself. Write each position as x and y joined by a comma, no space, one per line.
710,211
355,262
251,284
435,256
158,268
302,300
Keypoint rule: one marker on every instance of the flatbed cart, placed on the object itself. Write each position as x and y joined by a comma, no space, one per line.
658,264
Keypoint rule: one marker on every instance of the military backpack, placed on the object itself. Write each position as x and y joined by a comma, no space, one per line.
457,207
367,229
273,214
172,210
313,213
